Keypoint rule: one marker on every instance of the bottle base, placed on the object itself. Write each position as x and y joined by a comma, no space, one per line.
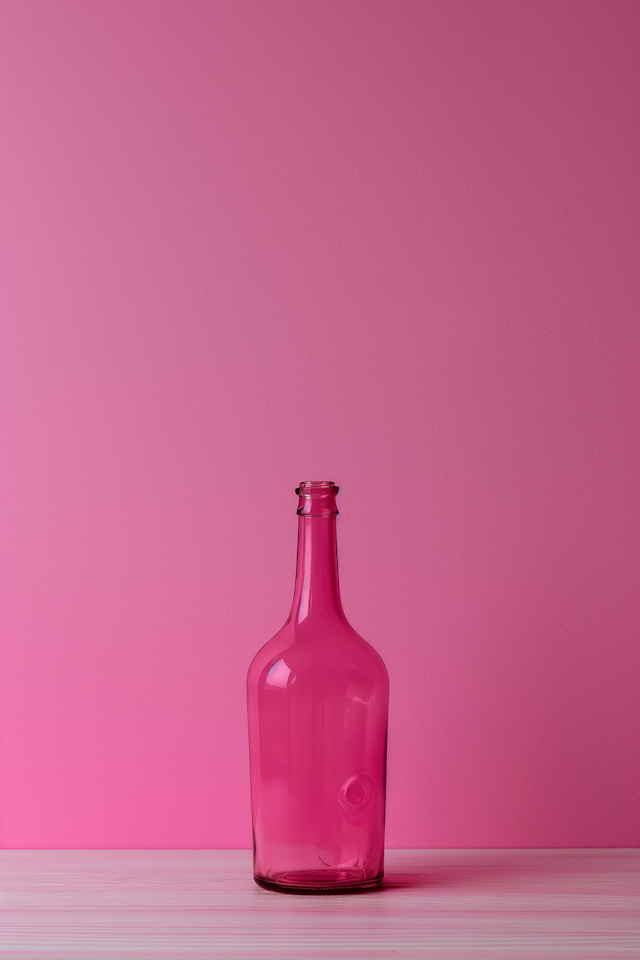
318,881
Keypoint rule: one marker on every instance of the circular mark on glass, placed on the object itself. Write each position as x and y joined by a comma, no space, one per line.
356,794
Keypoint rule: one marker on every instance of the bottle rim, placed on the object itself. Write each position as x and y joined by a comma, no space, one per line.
317,498
317,488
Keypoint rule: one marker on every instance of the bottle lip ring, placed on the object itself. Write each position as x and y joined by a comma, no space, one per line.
317,488
317,498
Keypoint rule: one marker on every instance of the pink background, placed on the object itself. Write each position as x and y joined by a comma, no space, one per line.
389,243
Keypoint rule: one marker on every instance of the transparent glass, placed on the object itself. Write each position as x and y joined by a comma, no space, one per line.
317,696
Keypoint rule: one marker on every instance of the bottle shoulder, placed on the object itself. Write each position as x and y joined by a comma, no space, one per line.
320,648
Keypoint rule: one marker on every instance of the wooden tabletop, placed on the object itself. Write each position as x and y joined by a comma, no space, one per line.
179,904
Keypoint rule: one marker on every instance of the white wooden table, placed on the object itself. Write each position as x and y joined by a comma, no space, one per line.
179,904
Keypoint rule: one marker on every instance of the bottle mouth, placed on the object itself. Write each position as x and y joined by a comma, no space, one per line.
317,498
317,488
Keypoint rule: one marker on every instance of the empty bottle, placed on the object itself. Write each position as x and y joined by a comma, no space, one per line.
317,697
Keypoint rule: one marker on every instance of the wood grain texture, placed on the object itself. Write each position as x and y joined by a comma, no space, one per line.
492,904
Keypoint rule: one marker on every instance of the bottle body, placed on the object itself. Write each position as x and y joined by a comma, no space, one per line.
317,696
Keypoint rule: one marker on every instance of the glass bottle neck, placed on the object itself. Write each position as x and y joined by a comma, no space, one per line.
317,590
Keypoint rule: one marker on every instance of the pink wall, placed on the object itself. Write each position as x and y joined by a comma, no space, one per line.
390,243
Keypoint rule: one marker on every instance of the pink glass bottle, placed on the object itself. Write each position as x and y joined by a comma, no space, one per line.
318,698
